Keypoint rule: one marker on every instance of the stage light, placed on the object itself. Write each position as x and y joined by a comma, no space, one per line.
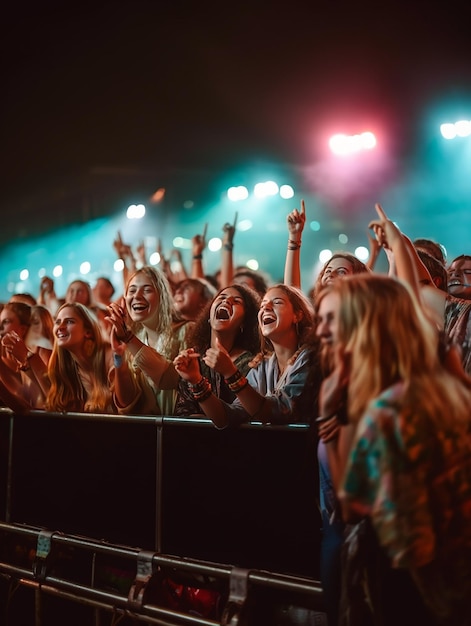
263,190
362,253
135,211
342,144
286,192
252,264
462,128
237,193
214,244
325,255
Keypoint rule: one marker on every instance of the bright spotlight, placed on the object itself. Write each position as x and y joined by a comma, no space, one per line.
462,128
252,264
214,244
24,275
57,271
118,265
263,190
237,193
342,144
85,267
286,192
362,253
154,258
325,255
135,211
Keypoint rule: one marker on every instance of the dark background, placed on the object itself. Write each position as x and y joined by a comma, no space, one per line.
102,102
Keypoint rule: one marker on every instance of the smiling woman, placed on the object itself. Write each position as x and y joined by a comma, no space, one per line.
282,385
228,323
144,328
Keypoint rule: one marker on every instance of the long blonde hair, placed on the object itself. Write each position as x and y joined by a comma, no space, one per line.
166,309
67,391
391,339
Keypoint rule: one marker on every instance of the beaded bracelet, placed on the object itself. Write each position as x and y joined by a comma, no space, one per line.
201,398
201,390
197,257
293,245
239,385
228,246
233,377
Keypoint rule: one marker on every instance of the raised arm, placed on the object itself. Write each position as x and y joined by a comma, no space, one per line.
198,245
227,256
295,221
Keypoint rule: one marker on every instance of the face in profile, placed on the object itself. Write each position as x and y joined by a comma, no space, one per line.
327,319
69,329
10,322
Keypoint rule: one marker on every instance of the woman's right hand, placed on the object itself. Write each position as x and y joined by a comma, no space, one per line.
187,365
296,221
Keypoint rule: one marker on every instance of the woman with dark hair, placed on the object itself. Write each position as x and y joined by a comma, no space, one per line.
228,321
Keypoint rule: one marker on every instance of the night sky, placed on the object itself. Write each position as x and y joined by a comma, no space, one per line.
184,87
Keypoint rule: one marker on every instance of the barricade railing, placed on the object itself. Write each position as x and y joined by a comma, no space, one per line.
83,571
195,498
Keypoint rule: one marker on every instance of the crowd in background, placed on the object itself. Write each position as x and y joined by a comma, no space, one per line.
378,364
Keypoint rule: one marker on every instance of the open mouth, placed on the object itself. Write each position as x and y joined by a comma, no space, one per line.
268,319
223,313
139,307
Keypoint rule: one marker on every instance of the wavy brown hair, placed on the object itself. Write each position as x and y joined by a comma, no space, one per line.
67,391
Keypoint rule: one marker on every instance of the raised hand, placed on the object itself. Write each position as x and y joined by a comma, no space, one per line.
386,232
296,221
199,242
229,232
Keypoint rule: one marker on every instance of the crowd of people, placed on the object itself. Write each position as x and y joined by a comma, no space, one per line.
379,366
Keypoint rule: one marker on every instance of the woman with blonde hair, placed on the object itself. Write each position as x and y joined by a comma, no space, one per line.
144,326
402,463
